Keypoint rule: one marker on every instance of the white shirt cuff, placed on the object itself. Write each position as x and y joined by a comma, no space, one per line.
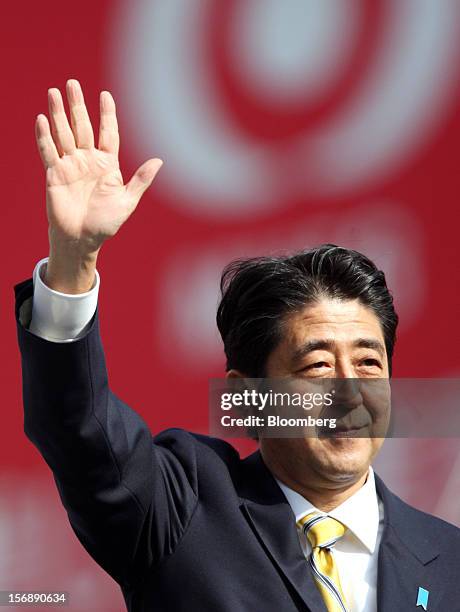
61,317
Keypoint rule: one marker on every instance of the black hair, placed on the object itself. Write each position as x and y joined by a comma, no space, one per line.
258,294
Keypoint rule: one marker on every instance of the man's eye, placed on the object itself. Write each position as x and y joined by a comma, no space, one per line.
371,362
318,364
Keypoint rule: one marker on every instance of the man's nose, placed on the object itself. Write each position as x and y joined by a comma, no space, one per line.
347,389
344,369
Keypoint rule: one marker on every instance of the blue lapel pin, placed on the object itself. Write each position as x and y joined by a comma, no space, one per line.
422,598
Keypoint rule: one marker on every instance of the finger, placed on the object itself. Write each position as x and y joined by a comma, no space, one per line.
45,142
81,124
142,179
109,138
62,134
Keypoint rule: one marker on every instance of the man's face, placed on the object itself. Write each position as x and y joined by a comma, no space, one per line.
330,339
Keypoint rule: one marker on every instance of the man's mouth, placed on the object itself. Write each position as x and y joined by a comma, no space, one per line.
344,431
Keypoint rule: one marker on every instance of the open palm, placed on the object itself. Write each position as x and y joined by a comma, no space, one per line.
87,201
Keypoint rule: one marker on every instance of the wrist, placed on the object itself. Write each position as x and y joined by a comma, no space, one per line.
83,248
68,270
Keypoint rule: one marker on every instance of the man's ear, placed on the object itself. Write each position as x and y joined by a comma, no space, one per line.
245,381
240,384
235,374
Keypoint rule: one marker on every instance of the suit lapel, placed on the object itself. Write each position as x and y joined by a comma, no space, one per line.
270,516
406,550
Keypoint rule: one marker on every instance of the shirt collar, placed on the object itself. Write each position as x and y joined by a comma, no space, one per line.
360,512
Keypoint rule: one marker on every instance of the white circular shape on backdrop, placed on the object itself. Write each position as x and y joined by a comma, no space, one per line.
284,48
213,169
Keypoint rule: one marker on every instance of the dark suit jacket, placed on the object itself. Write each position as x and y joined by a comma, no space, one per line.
178,519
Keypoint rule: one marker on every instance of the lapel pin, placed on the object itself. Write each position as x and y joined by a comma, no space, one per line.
422,598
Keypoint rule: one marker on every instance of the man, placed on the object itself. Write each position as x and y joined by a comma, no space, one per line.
179,520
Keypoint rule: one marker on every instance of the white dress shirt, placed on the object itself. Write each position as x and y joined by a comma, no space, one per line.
61,317
357,551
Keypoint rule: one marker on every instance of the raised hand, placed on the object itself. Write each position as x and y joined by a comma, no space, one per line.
86,199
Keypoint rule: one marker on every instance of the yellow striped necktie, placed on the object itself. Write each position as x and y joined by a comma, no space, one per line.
323,532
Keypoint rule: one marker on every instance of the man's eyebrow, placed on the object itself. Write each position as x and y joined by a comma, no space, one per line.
329,345
370,343
312,345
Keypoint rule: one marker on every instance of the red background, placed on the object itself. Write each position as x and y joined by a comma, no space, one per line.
157,364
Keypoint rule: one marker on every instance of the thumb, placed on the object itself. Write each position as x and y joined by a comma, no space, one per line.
142,179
